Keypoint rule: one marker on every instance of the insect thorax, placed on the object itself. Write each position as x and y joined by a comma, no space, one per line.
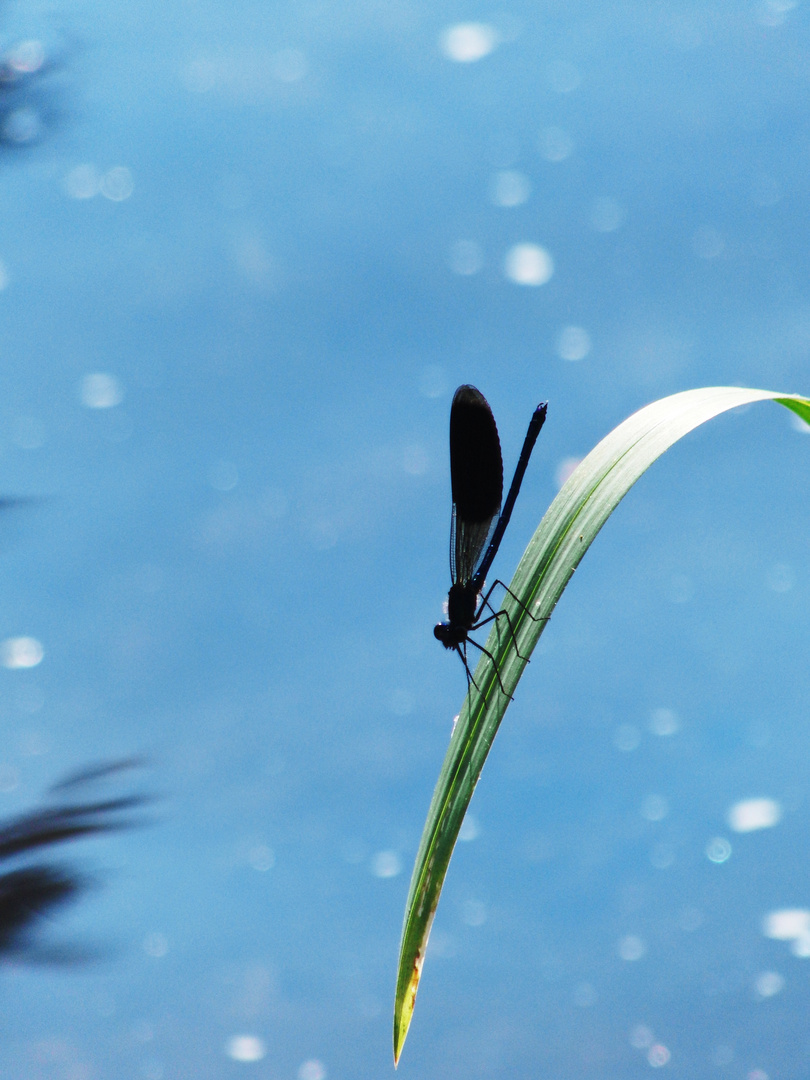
462,602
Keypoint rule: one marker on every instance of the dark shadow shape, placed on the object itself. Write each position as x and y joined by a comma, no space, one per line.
29,895
98,772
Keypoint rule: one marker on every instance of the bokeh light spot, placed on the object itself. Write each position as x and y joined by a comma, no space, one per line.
21,125
433,382
223,476
470,829
9,779
574,343
690,919
528,264
564,469
510,188
789,924
26,57
82,182
117,184
607,215
465,258
468,42
246,1048
473,913
662,856
654,808
723,1055
641,1037
415,460
786,923
21,652
312,1070
774,12
156,945
101,391
664,722
584,995
751,814
262,858
781,578
626,737
658,1055
34,744
768,983
555,144
386,864
681,589
632,948
718,850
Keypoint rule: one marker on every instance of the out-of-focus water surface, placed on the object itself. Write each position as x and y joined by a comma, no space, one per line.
248,252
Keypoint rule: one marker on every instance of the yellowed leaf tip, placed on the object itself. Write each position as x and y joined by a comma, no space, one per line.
402,1021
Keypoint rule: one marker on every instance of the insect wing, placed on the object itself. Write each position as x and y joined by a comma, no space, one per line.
476,476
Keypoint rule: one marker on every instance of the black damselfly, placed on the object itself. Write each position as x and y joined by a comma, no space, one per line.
478,523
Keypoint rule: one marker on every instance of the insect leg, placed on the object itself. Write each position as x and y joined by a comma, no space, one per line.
486,652
497,614
518,601
463,654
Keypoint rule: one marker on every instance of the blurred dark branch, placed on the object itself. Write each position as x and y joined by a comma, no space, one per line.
27,896
97,772
45,827
30,893
10,502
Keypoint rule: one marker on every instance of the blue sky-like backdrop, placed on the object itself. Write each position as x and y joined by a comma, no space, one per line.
247,252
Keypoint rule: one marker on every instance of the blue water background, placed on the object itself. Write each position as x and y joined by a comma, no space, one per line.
234,565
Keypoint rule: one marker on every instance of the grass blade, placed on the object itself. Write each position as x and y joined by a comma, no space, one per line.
586,501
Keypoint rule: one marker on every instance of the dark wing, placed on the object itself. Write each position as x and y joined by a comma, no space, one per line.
476,476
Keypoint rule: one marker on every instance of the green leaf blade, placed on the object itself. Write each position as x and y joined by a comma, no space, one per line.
568,528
